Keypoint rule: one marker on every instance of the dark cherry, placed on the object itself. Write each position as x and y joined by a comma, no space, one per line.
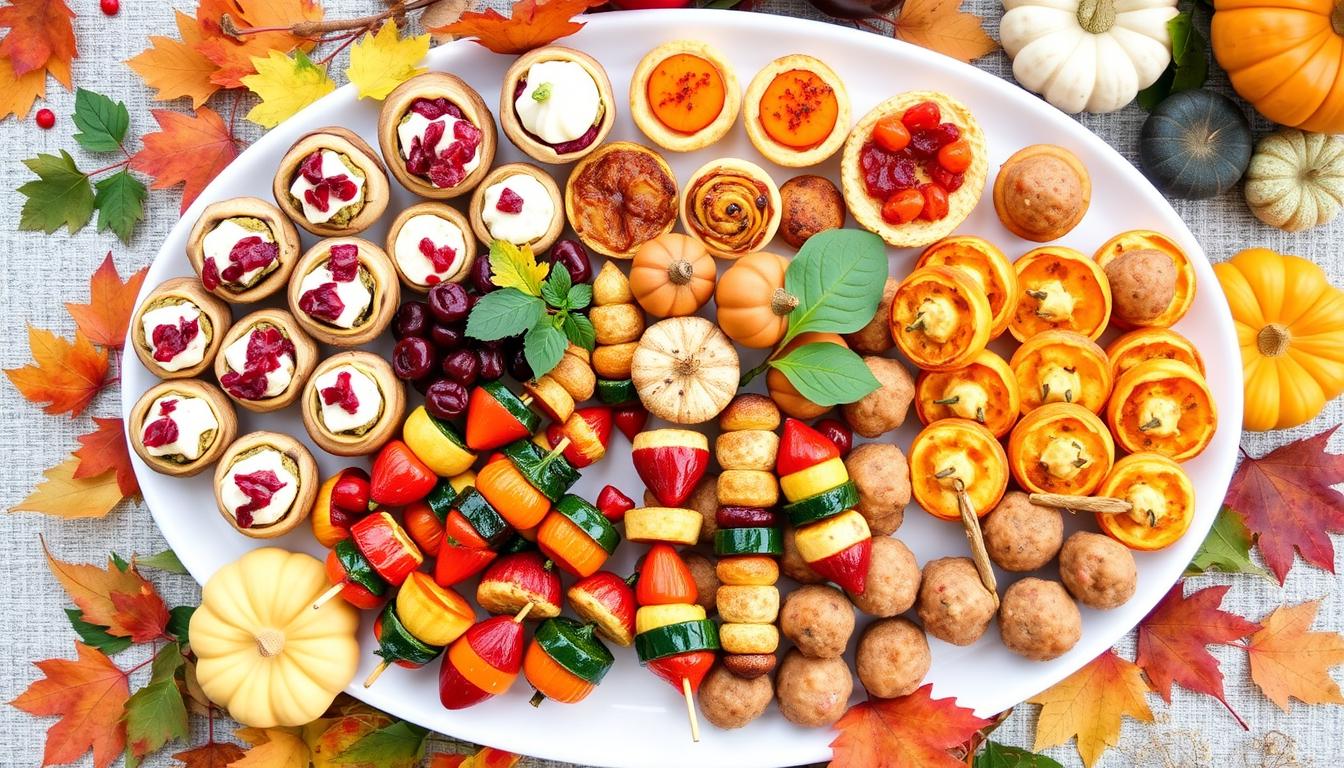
446,337
412,358
569,253
412,319
838,433
448,302
446,399
480,274
492,363
462,366
517,362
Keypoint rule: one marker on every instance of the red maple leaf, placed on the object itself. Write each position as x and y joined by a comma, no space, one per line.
1286,499
123,601
214,754
107,316
530,24
65,376
104,450
89,695
914,731
40,36
189,150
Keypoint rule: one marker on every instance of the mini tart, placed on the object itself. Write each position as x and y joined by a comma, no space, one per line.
987,265
1060,448
620,197
1061,367
984,391
397,108
951,450
1042,192
706,103
939,318
324,400
794,132
287,461
314,287
1152,344
1156,241
344,152
1060,288
1162,499
1162,406
732,206
239,385
220,242
204,403
194,322
451,245
538,188
517,87
867,210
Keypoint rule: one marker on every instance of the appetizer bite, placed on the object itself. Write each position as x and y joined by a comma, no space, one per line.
243,249
1152,280
684,95
1161,502
520,204
1060,448
881,476
1061,367
437,135
732,206
344,291
952,455
431,243
265,360
265,484
619,197
893,578
1038,619
985,390
796,111
1165,407
813,693
353,404
179,428
1042,192
1060,289
618,325
1151,344
1021,536
874,338
940,318
954,605
809,204
892,657
178,328
987,266
1098,571
331,183
556,104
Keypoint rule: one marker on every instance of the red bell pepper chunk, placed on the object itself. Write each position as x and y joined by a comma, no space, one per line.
490,424
670,462
399,476
801,447
848,567
351,592
613,504
630,419
664,578
495,648
457,563
387,547
691,666
350,494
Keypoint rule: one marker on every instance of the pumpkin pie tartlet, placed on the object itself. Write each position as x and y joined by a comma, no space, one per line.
265,484
431,243
796,111
619,197
556,104
331,183
243,249
684,95
732,206
179,428
177,330
353,404
437,135
265,360
520,204
344,291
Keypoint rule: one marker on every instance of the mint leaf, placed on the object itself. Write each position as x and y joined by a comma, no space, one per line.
156,714
1227,548
556,288
543,346
166,560
580,296
102,122
579,329
62,195
94,635
826,373
997,755
120,202
838,277
503,313
399,745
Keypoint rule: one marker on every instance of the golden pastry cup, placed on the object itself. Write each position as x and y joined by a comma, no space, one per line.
443,211
305,357
376,189
214,310
781,154
384,427
386,293
499,174
642,111
303,501
571,205
746,168
433,85
508,115
219,404
282,229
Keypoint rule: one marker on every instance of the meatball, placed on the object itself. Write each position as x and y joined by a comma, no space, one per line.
1098,570
1038,620
882,475
706,579
793,565
893,658
1040,196
883,409
813,693
893,579
953,604
704,499
1021,536
729,701
875,337
1143,284
818,619
808,205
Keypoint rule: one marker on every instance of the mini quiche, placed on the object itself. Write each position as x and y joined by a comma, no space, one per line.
1060,448
1061,367
1060,288
939,318
1042,192
684,95
731,206
431,243
1161,498
796,111
1156,274
1162,406
957,454
265,484
353,404
984,391
556,104
331,183
243,249
619,197
177,330
987,265
265,360
179,428
518,203
437,135
1151,344
914,168
344,291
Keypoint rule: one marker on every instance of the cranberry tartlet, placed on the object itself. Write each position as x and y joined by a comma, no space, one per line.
437,135
344,291
732,206
518,203
179,428
265,484
796,111
177,330
556,104
265,360
684,95
331,183
431,243
243,249
353,404
620,197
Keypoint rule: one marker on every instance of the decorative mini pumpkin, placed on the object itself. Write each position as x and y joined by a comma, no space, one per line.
672,275
782,391
1087,55
262,651
1290,321
685,370
1296,179
1195,144
753,307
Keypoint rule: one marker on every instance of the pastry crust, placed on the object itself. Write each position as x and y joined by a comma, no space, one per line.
867,211
792,157
433,85
305,357
734,166
386,293
383,428
513,127
219,405
214,310
307,493
503,172
648,122
282,229
443,211
589,238
1005,207
346,142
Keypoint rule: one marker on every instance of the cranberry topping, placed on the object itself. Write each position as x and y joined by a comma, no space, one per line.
433,109
441,256
886,173
163,430
342,393
171,340
265,347
445,166
258,487
323,302
509,202
325,187
344,262
209,274
248,254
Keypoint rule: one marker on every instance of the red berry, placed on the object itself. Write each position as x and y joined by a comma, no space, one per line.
890,134
935,202
925,114
903,206
837,432
45,118
613,504
955,157
110,7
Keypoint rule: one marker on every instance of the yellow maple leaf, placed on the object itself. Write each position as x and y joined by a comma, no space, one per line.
381,62
515,267
941,25
175,68
1090,704
273,748
63,495
17,94
285,86
1289,660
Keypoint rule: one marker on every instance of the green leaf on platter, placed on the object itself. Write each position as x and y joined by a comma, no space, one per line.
996,755
179,620
156,714
120,202
838,277
61,195
503,313
166,560
556,289
1227,548
399,745
102,122
94,635
827,374
514,267
1189,67
580,296
579,330
543,346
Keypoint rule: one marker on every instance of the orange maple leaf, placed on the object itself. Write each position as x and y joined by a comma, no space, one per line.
123,601
233,55
189,150
214,754
104,450
17,94
175,68
40,37
89,695
1090,704
273,748
64,375
1289,660
941,25
486,757
914,731
61,494
106,317
530,24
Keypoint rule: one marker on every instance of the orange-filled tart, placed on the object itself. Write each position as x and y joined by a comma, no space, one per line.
1151,344
939,318
952,453
353,404
1060,289
437,135
556,104
431,243
987,265
984,391
265,360
1161,499
265,484
344,291
518,203
1162,406
619,197
179,428
331,183
731,206
684,95
796,111
1061,367
1060,448
177,330
1156,273
243,249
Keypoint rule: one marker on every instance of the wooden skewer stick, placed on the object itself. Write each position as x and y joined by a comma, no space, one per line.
522,614
1106,505
690,708
327,596
377,671
979,555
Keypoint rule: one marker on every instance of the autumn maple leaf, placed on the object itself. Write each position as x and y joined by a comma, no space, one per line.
17,93
273,748
175,68
914,731
233,54
188,150
530,24
121,600
104,450
40,37
214,754
61,494
65,376
486,757
107,316
1090,705
1288,660
941,25
89,694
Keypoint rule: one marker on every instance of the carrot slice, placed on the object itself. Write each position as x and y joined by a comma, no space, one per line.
552,680
520,504
799,109
477,671
686,92
569,546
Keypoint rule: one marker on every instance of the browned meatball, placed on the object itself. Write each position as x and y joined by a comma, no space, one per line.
1143,283
883,409
1042,195
1038,620
729,701
704,499
809,204
893,579
813,693
875,337
882,475
1098,570
793,565
818,619
706,579
1021,536
893,658
953,604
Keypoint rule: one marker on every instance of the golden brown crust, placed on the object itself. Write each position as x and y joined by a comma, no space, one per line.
305,357
219,404
742,187
216,311
750,411
307,493
648,122
810,204
508,115
443,211
590,217
432,85
792,157
342,140
384,427
386,293
1042,192
282,229
503,172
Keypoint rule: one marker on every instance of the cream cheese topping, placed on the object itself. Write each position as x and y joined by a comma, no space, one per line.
218,243
967,400
560,101
235,355
332,165
937,318
173,315
1149,505
1065,458
193,417
414,125
267,459
527,225
414,264
1160,417
954,466
1055,303
354,295
1059,384
369,398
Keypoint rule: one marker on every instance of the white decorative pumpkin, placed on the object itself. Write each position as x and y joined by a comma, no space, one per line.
1296,180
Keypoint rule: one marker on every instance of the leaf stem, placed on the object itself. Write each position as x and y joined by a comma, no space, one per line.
111,167
315,29
349,38
758,370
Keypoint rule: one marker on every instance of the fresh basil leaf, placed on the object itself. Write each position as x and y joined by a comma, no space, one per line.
826,373
543,346
95,635
166,560
579,329
580,296
120,201
61,195
503,313
556,288
838,278
102,122
997,755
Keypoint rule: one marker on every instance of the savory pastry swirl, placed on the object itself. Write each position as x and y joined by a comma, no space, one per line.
733,208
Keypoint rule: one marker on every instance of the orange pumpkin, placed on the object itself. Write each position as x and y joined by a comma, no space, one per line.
1060,288
1162,406
1060,448
672,275
1162,500
1061,367
952,450
984,391
1151,344
940,318
1185,273
987,266
753,307
782,391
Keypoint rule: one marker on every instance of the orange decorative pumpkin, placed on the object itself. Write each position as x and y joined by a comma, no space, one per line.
752,303
672,276
782,391
1162,406
1060,448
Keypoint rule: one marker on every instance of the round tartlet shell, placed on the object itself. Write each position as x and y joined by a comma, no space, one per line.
386,293
211,306
868,212
1027,153
508,115
305,357
286,237
510,169
384,429
642,111
224,434
376,189
443,211
432,85
303,502
582,165
792,157
745,167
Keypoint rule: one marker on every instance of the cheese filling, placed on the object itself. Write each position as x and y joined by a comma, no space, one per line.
517,209
349,399
218,244
355,297
280,488
936,318
183,422
559,103
966,399
955,466
235,356
328,189
1160,417
1064,458
179,321
1148,504
1059,384
430,249
1054,302
414,125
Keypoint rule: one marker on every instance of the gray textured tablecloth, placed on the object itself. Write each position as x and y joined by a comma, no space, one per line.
38,273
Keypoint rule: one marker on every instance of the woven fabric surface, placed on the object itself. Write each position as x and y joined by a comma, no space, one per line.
38,273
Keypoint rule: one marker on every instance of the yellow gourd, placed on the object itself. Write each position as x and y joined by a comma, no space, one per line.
262,652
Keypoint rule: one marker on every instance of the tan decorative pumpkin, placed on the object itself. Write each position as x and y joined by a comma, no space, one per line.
262,652
782,391
752,303
1296,180
685,370
672,275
